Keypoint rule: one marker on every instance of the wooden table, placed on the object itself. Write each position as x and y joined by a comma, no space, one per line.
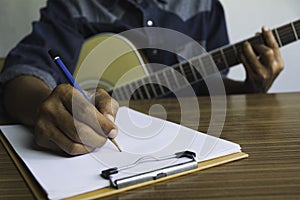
266,126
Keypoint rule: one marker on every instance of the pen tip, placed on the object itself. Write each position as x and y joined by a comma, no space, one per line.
116,144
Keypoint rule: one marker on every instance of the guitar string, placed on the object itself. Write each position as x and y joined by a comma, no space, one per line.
285,35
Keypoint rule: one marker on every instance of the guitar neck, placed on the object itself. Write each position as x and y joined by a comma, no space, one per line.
228,56
198,68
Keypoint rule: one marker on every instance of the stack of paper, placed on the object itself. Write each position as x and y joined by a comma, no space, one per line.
139,135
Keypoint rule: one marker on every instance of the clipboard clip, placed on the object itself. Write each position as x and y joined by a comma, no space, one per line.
151,175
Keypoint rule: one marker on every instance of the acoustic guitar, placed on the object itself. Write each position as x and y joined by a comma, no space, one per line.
133,81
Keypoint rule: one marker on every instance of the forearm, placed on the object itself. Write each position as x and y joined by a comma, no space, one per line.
22,96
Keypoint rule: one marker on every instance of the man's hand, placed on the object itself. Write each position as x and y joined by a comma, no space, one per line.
66,121
262,71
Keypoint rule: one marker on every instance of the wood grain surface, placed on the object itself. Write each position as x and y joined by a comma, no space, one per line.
267,126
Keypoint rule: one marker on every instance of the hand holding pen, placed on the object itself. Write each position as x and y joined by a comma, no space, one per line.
67,121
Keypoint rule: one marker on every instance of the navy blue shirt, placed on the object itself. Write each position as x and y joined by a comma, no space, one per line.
65,24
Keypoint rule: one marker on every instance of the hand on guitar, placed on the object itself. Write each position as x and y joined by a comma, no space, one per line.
66,121
261,71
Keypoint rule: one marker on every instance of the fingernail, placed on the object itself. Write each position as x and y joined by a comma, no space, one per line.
110,117
265,28
113,133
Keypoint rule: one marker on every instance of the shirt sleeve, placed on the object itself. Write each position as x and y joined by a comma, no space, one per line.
57,29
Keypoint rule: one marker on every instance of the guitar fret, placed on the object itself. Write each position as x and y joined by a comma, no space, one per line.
127,91
137,91
149,88
297,27
224,58
201,68
197,68
156,85
231,55
278,38
208,65
257,40
116,94
131,89
124,92
167,81
286,34
154,89
183,76
237,53
181,70
171,79
187,69
122,95
218,59
193,70
163,81
294,31
179,75
239,47
143,90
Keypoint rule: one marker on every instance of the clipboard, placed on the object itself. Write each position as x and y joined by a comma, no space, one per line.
39,193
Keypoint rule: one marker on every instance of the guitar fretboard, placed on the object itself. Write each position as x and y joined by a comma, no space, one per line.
198,68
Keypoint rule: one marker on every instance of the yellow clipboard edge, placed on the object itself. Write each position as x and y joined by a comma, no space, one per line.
39,192
201,166
33,185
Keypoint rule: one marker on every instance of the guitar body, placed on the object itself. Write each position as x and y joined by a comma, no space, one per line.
97,66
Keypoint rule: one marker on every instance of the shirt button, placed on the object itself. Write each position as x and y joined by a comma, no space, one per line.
149,23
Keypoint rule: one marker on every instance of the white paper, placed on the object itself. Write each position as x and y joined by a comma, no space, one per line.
139,135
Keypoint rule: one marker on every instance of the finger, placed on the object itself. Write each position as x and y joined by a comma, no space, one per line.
249,71
251,58
50,137
85,112
88,136
55,112
106,104
265,53
270,60
70,127
245,63
78,131
67,145
269,38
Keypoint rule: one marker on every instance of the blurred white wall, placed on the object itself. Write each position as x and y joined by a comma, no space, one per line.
244,19
15,21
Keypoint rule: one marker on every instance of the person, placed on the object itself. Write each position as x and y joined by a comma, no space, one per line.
36,94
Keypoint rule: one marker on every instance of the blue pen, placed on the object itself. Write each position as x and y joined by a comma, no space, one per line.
63,67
